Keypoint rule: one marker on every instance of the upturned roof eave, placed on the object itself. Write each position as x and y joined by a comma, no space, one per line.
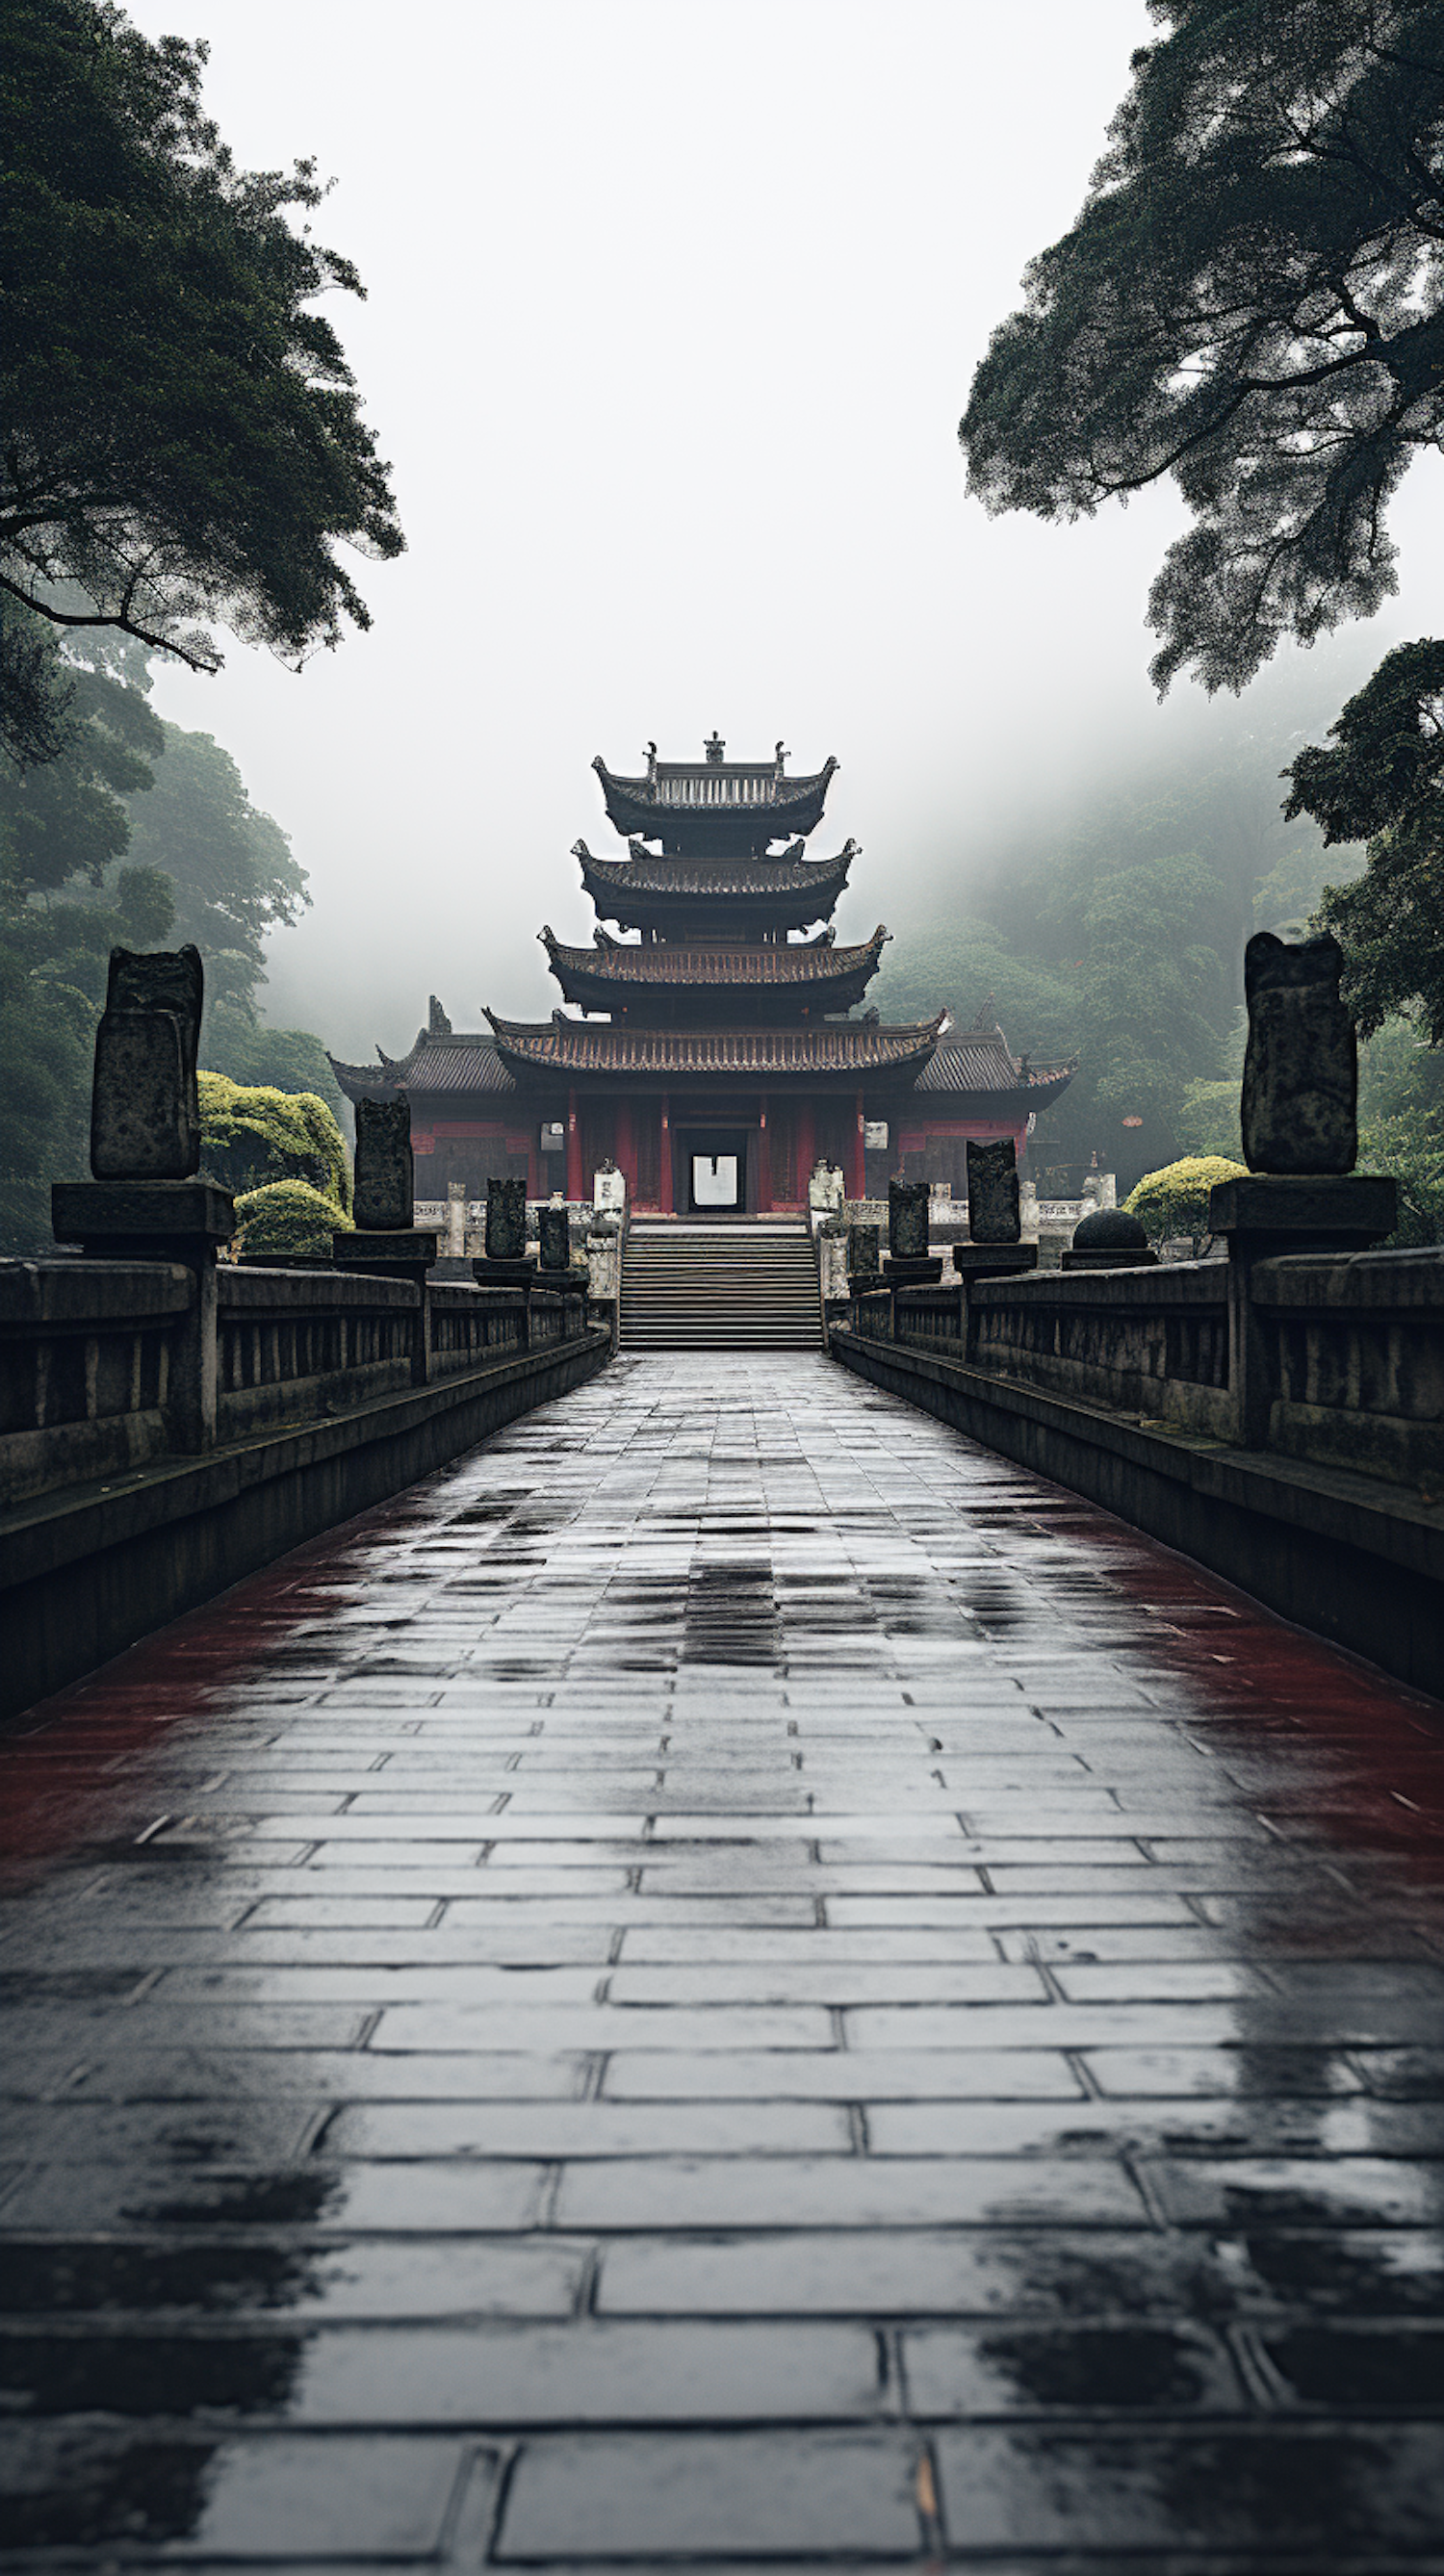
824,974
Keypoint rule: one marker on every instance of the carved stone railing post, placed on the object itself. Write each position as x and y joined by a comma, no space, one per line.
506,1262
1300,1141
148,1200
385,1244
995,1248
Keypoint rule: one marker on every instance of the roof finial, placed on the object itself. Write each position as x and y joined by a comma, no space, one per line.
714,746
781,756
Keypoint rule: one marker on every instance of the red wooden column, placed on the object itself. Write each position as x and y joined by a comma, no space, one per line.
534,1189
805,1133
626,1148
574,1149
857,1172
664,1160
764,1166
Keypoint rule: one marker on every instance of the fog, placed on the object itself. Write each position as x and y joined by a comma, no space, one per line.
672,312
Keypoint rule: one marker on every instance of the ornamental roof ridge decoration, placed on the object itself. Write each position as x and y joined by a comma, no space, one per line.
826,1046
715,781
817,961
714,803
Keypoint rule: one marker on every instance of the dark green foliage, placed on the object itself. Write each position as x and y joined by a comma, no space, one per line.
183,441
219,873
53,962
251,1051
64,819
973,967
1250,302
230,864
1383,782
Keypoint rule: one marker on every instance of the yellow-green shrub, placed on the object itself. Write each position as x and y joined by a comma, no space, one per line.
253,1135
1175,1199
288,1217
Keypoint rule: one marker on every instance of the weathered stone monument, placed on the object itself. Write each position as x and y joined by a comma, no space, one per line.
144,1111
385,1244
1301,1069
148,1200
555,1238
826,1188
1299,1113
995,1248
909,1263
1300,1136
383,1199
993,1192
506,1262
864,1253
609,1190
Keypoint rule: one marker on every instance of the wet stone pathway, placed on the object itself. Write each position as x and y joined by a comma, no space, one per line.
731,1980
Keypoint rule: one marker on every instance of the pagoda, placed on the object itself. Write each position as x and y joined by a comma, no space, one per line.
710,1043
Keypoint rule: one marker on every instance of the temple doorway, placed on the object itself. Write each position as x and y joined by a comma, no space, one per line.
716,1170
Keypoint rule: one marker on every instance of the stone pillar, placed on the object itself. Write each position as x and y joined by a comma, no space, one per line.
1300,1140
148,1200
555,1239
385,1243
995,1248
455,1220
909,1263
575,1186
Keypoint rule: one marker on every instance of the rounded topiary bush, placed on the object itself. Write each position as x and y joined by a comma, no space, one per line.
288,1217
1112,1229
252,1135
1175,1199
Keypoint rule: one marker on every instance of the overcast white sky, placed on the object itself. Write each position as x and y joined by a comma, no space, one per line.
673,307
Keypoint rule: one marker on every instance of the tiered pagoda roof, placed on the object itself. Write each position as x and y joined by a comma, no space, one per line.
658,979
647,892
824,1047
726,808
714,989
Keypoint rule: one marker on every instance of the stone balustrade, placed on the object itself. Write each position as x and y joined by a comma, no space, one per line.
1353,1345
1279,1417
88,1353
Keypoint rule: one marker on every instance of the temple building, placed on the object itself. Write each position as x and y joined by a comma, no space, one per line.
710,1041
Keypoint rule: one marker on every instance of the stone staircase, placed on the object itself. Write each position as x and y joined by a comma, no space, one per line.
746,1285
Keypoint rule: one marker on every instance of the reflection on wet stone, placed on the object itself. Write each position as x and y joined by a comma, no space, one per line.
819,1998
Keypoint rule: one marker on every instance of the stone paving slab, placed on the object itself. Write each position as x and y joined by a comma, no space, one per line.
731,1982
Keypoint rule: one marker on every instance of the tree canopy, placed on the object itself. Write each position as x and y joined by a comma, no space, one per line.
1383,781
183,439
1250,302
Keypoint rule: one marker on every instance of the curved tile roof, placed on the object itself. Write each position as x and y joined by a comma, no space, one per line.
465,1063
715,803
974,1060
600,1046
791,964
645,874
